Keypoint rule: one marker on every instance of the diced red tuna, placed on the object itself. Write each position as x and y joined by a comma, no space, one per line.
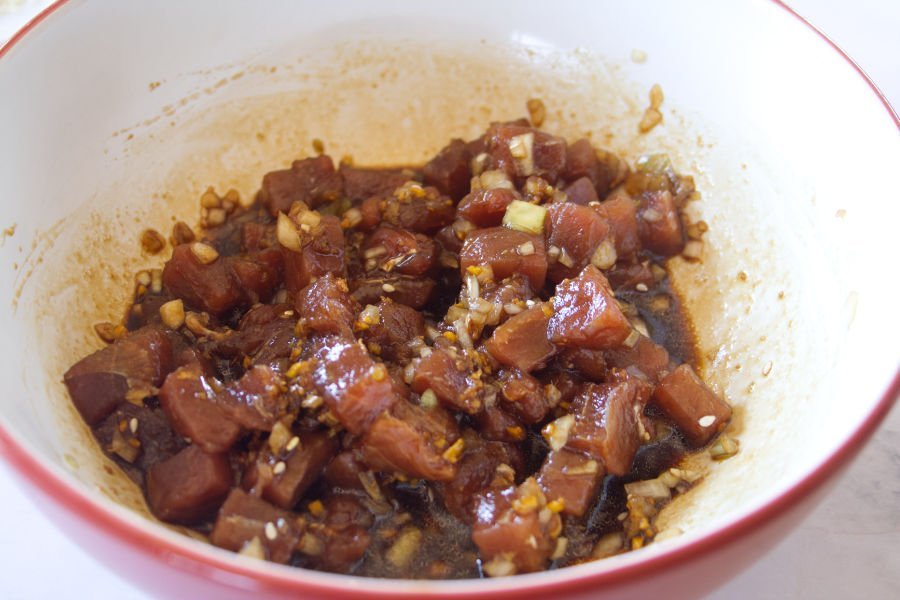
620,211
695,409
448,378
522,341
226,283
255,400
449,171
322,252
188,487
498,424
244,517
425,213
355,388
606,424
590,364
397,250
137,363
582,161
370,213
312,181
344,470
572,478
508,147
582,192
411,440
509,531
414,292
645,359
188,399
577,231
361,183
501,248
485,208
523,395
585,313
659,226
327,306
397,326
303,465
484,465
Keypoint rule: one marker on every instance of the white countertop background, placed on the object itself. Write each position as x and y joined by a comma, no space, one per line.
848,548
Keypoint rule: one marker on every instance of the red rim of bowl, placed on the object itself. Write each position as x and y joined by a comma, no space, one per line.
150,544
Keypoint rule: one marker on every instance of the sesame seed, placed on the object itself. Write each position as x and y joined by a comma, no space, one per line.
271,532
292,443
388,288
706,421
767,369
133,425
279,467
641,287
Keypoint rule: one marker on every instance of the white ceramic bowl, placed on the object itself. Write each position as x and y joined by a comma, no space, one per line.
118,115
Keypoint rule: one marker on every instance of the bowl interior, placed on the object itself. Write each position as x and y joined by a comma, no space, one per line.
789,147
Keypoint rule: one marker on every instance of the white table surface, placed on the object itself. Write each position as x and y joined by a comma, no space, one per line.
845,549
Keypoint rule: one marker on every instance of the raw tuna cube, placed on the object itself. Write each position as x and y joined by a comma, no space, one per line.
360,184
397,250
257,275
577,231
327,306
355,388
523,151
646,359
259,328
486,208
188,487
347,540
422,211
210,287
255,400
620,211
522,342
312,181
449,171
582,192
478,471
322,252
244,517
659,226
585,313
449,379
343,471
496,423
696,410
582,161
370,213
302,467
414,292
413,441
507,252
523,395
397,326
606,424
188,400
509,531
590,364
137,363
572,478
627,275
